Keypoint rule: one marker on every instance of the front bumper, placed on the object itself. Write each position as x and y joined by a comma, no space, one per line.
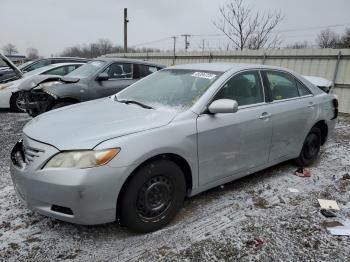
81,196
37,102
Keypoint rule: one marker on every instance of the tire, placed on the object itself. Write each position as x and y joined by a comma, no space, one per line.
17,102
153,196
311,148
61,104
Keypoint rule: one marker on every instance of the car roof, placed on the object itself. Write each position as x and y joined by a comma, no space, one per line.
58,58
224,67
63,64
127,60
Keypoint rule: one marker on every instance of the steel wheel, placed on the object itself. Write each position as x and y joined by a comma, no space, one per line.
154,198
311,148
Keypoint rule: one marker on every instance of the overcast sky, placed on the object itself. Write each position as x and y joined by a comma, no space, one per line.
51,25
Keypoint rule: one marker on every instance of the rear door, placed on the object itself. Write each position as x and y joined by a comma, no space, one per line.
235,142
292,109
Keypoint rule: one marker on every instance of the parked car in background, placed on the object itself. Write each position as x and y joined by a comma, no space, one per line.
96,79
135,156
10,97
320,82
8,70
41,62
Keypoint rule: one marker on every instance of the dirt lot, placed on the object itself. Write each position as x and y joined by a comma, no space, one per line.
255,218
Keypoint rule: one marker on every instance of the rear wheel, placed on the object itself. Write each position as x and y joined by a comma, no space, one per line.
17,102
153,196
311,148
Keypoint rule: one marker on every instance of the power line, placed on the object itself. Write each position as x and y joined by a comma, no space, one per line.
217,36
154,41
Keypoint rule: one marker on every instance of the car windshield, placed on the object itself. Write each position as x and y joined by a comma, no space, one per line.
87,69
24,65
170,88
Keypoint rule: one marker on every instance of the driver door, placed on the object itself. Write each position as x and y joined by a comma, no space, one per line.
234,142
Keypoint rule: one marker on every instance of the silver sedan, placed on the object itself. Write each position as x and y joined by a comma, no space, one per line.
135,156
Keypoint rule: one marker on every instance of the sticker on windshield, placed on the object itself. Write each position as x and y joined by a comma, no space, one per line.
204,75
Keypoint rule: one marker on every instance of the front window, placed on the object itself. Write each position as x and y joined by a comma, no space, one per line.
245,88
87,69
119,71
171,88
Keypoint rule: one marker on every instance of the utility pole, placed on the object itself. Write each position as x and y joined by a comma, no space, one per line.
174,49
187,44
174,52
126,21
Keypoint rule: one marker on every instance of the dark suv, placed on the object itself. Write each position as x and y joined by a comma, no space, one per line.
96,79
38,63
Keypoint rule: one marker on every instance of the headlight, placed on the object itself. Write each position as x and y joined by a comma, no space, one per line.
82,159
3,86
47,84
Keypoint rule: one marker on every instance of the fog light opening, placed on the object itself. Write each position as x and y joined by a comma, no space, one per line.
60,209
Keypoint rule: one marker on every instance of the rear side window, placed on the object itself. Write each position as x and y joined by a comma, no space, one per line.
145,70
120,71
303,90
245,88
282,85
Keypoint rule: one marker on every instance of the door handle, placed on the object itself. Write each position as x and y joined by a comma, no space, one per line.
311,105
265,115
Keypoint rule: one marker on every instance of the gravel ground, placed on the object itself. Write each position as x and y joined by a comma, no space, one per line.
254,218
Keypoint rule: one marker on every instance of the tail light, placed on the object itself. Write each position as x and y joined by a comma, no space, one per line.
335,107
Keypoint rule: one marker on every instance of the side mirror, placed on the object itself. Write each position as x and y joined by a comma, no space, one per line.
223,106
103,77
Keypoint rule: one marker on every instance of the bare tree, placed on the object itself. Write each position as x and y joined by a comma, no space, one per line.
104,46
32,53
247,28
99,48
298,45
345,39
10,49
328,39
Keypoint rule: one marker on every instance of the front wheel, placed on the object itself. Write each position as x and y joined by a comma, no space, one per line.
153,196
311,148
17,102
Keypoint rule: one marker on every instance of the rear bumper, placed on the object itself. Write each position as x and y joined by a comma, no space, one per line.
81,196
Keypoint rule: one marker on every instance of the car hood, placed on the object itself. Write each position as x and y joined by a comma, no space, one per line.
11,66
85,125
33,81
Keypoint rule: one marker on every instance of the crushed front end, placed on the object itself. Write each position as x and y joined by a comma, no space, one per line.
37,101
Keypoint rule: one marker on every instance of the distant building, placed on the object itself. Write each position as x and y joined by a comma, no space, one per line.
16,58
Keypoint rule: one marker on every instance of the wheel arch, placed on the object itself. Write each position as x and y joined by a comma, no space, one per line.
322,125
177,159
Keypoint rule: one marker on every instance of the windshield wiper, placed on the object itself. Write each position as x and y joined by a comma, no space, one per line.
134,102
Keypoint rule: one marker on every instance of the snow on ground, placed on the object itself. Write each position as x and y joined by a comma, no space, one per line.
254,218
